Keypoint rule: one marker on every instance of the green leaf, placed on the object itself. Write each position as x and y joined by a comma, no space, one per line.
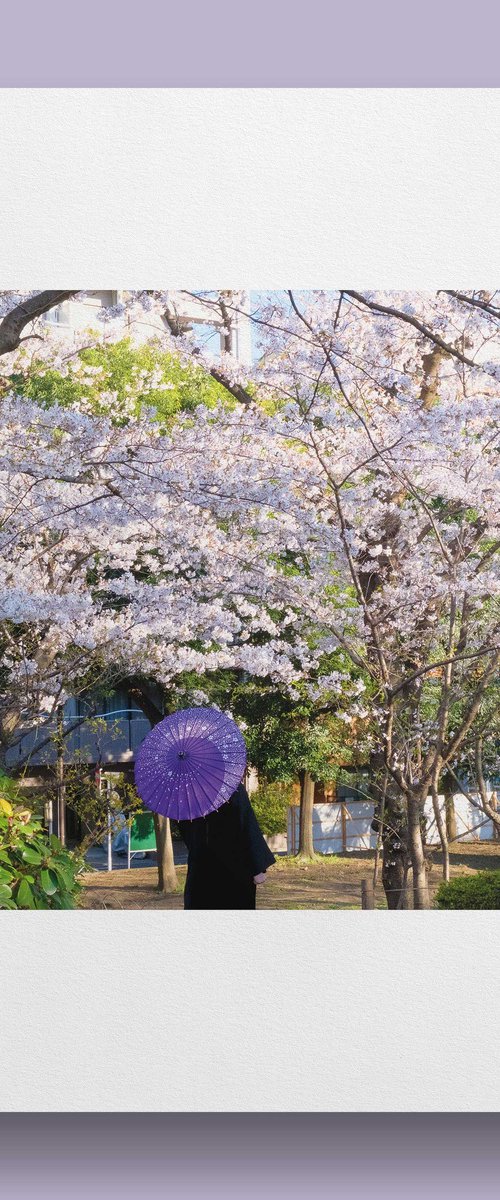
5,876
32,856
39,845
49,882
63,901
24,895
5,892
65,875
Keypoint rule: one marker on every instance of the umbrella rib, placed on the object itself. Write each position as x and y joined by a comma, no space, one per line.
153,793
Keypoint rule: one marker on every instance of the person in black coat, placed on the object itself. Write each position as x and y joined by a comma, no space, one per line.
227,856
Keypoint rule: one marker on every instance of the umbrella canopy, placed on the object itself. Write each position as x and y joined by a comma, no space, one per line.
190,763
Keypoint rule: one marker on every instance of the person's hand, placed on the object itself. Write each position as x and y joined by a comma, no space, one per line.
260,878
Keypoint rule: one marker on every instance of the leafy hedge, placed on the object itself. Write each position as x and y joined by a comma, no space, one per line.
471,891
35,871
270,803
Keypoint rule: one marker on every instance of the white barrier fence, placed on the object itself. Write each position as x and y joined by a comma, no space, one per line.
342,826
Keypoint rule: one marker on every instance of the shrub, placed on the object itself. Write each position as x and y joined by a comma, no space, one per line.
35,871
270,803
470,891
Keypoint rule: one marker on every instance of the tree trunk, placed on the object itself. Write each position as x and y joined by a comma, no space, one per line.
389,822
451,816
494,807
393,874
380,808
167,878
443,837
491,810
404,899
416,850
306,842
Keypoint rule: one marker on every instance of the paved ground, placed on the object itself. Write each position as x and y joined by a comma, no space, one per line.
97,858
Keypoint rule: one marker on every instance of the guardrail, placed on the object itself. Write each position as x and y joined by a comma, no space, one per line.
84,743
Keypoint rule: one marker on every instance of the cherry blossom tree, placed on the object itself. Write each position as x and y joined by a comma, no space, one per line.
348,502
123,554
393,403
389,404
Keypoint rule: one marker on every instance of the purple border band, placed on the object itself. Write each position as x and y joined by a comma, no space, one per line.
232,1156
268,43
265,43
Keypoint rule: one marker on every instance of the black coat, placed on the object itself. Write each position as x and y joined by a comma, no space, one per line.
225,850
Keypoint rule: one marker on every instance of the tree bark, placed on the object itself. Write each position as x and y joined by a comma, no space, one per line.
167,877
490,809
494,808
389,822
393,876
306,841
443,837
421,897
13,324
451,816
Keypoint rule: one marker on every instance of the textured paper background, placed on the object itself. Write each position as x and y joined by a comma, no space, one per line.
278,1010
267,1012
259,187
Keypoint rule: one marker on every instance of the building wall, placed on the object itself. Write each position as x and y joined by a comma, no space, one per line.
74,316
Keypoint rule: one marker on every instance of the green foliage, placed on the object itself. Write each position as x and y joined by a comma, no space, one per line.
470,891
284,735
143,375
36,872
270,803
82,794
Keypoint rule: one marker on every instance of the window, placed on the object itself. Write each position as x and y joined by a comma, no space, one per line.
58,315
117,704
101,299
209,338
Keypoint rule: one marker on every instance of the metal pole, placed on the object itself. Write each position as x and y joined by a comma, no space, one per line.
61,790
98,782
49,817
110,838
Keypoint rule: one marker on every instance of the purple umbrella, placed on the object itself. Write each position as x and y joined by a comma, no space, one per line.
190,763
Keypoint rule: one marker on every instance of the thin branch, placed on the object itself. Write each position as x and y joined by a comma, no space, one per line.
441,663
387,310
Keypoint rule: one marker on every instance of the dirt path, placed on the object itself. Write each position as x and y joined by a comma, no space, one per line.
332,882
